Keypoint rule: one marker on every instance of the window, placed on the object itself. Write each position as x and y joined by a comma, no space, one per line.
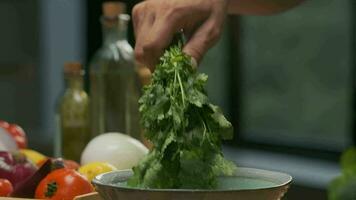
295,77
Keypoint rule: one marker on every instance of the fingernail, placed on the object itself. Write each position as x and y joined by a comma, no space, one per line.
194,63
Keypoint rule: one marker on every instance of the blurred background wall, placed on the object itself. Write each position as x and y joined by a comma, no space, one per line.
37,37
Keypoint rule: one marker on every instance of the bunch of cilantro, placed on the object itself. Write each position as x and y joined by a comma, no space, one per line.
184,127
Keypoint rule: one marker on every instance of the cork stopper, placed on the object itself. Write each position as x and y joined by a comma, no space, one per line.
112,9
73,69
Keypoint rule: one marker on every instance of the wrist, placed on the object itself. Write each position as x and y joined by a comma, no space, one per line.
220,6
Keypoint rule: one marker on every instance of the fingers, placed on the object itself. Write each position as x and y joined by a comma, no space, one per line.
142,22
203,38
157,40
153,34
194,63
156,22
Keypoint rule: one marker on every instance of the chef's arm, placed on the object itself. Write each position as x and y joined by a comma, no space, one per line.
260,7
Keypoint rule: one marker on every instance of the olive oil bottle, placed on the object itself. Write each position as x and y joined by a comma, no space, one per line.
114,85
74,114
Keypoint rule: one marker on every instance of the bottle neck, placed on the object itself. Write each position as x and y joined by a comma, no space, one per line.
75,82
113,30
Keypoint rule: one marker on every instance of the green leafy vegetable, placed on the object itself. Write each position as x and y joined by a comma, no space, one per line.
348,159
185,128
343,186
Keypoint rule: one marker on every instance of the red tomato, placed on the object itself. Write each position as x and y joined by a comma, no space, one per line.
5,188
63,184
18,134
71,164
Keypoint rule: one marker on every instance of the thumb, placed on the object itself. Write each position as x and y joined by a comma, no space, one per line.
203,39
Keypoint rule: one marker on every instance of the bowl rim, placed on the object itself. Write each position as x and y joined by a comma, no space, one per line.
286,182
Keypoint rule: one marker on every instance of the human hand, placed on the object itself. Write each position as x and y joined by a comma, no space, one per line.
156,22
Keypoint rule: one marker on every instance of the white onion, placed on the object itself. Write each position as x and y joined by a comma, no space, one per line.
122,151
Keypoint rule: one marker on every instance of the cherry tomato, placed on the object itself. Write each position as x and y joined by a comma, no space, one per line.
19,135
5,188
63,184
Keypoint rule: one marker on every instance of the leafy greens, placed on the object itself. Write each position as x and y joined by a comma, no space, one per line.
343,186
184,127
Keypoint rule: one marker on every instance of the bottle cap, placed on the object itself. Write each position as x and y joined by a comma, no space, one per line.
73,69
112,9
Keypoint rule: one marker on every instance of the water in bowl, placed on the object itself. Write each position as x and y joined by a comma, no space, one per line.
243,183
231,183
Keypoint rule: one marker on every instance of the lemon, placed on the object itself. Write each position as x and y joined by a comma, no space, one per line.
34,156
93,169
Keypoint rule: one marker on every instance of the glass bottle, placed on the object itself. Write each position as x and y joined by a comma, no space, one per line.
114,87
74,114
